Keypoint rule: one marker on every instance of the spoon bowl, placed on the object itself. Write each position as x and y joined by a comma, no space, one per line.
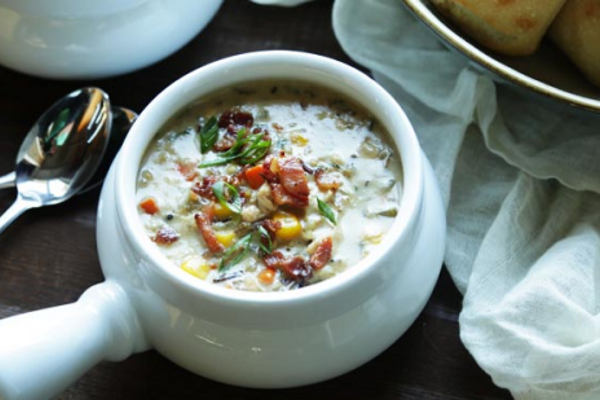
61,152
122,120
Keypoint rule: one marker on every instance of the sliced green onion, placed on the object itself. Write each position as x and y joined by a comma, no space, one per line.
236,253
235,206
258,151
215,162
266,248
209,134
240,140
255,150
326,211
251,140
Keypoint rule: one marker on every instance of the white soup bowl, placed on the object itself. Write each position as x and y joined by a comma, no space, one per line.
85,39
263,340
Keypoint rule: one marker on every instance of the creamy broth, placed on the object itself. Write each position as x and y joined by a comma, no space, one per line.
299,185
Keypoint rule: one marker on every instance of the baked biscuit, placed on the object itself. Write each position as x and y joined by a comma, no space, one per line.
511,27
576,31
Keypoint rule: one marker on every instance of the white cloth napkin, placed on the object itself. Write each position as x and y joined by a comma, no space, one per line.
521,183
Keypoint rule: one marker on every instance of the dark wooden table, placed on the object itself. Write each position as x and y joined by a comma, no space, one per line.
48,257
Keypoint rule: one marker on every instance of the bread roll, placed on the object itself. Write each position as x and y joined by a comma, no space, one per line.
511,27
576,31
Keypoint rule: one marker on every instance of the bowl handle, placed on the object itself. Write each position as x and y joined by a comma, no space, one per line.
43,352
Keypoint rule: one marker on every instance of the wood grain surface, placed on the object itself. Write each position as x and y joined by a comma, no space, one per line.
48,257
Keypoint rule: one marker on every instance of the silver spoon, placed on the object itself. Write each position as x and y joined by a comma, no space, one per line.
122,119
61,152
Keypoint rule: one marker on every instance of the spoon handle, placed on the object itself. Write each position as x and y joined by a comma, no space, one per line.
8,180
18,207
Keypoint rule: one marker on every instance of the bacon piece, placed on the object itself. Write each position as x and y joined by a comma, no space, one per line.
326,180
238,177
233,120
225,143
204,224
270,226
236,117
265,132
273,260
166,235
291,175
268,174
282,197
322,254
204,188
293,178
295,268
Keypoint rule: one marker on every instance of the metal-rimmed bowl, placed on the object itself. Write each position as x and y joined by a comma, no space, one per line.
547,73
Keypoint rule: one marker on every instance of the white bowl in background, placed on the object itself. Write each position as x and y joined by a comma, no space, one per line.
83,39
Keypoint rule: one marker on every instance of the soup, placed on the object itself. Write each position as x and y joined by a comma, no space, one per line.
269,186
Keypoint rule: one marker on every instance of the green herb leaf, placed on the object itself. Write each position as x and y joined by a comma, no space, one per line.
326,211
266,248
215,162
240,140
255,149
209,134
236,253
235,206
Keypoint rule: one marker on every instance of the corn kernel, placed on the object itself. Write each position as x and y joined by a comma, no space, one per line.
373,237
290,226
193,196
222,212
197,267
225,237
299,140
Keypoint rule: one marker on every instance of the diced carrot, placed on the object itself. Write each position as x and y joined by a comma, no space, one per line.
266,276
149,206
254,176
187,170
